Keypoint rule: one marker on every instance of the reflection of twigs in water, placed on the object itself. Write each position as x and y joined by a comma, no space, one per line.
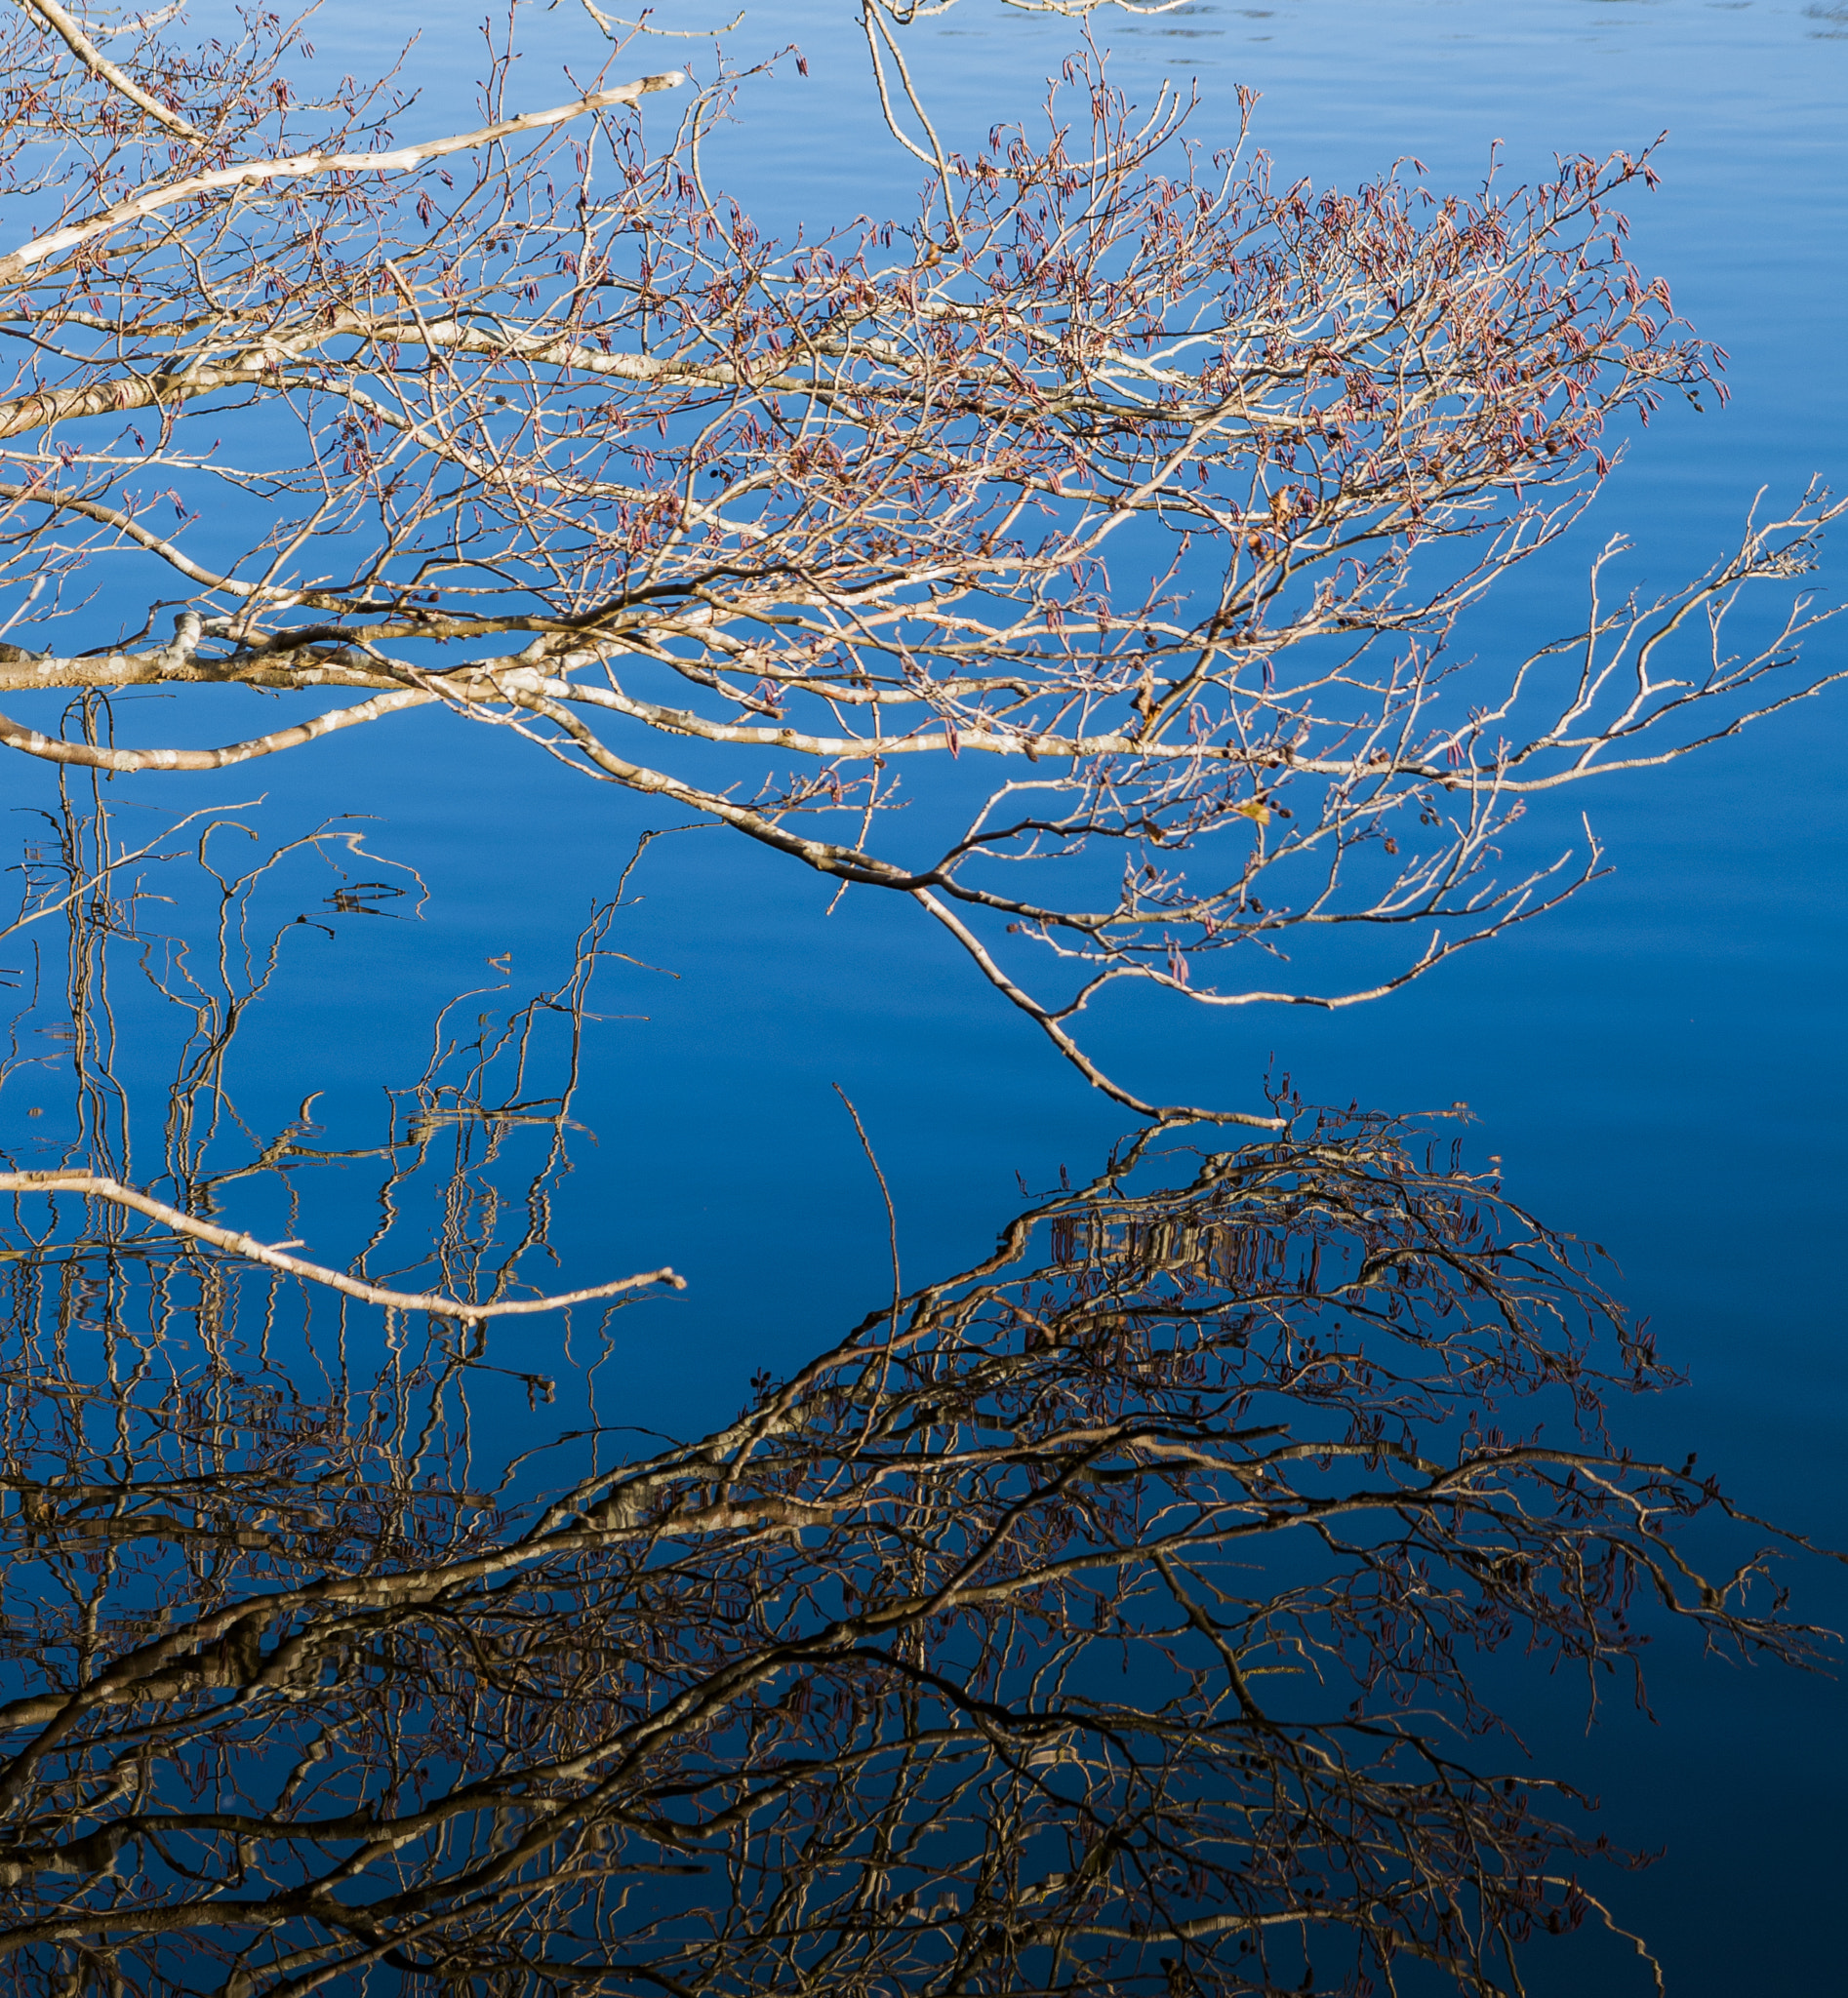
228,932
1107,1624
254,1251
207,975
39,903
1106,1617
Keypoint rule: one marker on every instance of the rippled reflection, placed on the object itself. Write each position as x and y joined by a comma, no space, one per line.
1109,1616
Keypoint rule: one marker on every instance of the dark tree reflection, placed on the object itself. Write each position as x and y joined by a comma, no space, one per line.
1115,1616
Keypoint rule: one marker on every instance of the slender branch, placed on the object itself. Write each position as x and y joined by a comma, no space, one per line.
94,1185
99,64
1173,1114
257,173
98,756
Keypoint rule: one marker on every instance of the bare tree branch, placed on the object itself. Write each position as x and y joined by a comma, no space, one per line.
257,172
1165,492
233,1243
71,33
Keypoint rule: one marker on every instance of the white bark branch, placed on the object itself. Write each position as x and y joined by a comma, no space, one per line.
253,173
95,1186
93,756
71,33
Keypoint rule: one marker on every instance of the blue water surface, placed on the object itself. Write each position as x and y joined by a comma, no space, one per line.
1660,1066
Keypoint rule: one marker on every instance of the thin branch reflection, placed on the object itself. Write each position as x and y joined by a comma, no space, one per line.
1109,1616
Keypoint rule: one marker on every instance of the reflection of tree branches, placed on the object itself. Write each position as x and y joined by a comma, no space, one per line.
1108,1616
209,975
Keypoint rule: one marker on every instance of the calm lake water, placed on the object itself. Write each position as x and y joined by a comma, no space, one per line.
1661,1066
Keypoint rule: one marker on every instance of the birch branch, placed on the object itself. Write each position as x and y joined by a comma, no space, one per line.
253,173
99,64
95,1186
96,756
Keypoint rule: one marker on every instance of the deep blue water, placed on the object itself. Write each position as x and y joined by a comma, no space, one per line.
1660,1065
